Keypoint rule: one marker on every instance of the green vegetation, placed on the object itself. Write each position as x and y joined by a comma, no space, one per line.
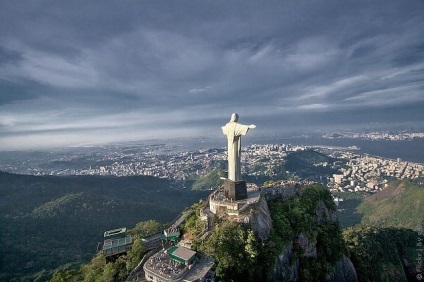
51,226
378,253
398,205
385,240
347,213
208,181
235,250
308,164
193,226
98,270
401,204
241,257
48,221
309,215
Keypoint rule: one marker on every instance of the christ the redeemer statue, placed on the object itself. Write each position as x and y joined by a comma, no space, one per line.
234,131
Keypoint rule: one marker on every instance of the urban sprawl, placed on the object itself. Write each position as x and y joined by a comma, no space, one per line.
353,171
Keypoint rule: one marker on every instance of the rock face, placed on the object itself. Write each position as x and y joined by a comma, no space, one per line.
323,214
287,266
260,220
343,271
310,248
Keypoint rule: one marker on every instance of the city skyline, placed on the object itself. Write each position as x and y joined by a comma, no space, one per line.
91,72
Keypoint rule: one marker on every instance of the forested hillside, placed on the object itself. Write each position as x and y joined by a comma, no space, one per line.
383,247
401,204
51,221
47,221
309,164
210,180
383,254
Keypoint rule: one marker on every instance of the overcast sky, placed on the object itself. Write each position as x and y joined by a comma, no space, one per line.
77,72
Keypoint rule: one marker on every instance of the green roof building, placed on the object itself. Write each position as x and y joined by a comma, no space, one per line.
181,254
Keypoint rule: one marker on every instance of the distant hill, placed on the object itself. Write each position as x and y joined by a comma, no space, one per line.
309,164
46,221
209,180
401,204
300,159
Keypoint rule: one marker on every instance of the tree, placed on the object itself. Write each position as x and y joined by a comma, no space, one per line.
93,271
378,253
235,250
145,228
67,274
135,254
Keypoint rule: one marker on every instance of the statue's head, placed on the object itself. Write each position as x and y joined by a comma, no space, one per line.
234,117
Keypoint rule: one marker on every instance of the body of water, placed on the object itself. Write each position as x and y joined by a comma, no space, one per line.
412,151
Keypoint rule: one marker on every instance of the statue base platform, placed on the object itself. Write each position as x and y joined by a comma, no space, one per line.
235,190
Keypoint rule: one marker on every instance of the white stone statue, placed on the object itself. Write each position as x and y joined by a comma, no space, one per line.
234,130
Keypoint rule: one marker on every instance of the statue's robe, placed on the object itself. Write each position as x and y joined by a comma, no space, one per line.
234,130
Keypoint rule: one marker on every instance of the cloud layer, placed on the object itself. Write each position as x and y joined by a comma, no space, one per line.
75,71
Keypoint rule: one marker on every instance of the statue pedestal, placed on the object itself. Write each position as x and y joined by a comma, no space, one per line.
235,190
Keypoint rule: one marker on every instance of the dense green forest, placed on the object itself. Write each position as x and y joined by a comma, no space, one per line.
47,221
382,254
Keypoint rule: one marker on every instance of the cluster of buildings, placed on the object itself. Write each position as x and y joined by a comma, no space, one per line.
377,135
370,173
357,172
169,258
178,166
264,159
172,166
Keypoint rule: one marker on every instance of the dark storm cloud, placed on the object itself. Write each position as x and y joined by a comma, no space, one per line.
9,56
11,92
143,69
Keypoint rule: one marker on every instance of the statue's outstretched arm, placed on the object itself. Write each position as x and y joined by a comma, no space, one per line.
252,126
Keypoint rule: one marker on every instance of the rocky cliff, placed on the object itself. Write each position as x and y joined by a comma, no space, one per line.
315,248
287,266
343,270
260,220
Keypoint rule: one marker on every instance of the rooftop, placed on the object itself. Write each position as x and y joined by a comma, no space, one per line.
120,232
181,252
165,267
